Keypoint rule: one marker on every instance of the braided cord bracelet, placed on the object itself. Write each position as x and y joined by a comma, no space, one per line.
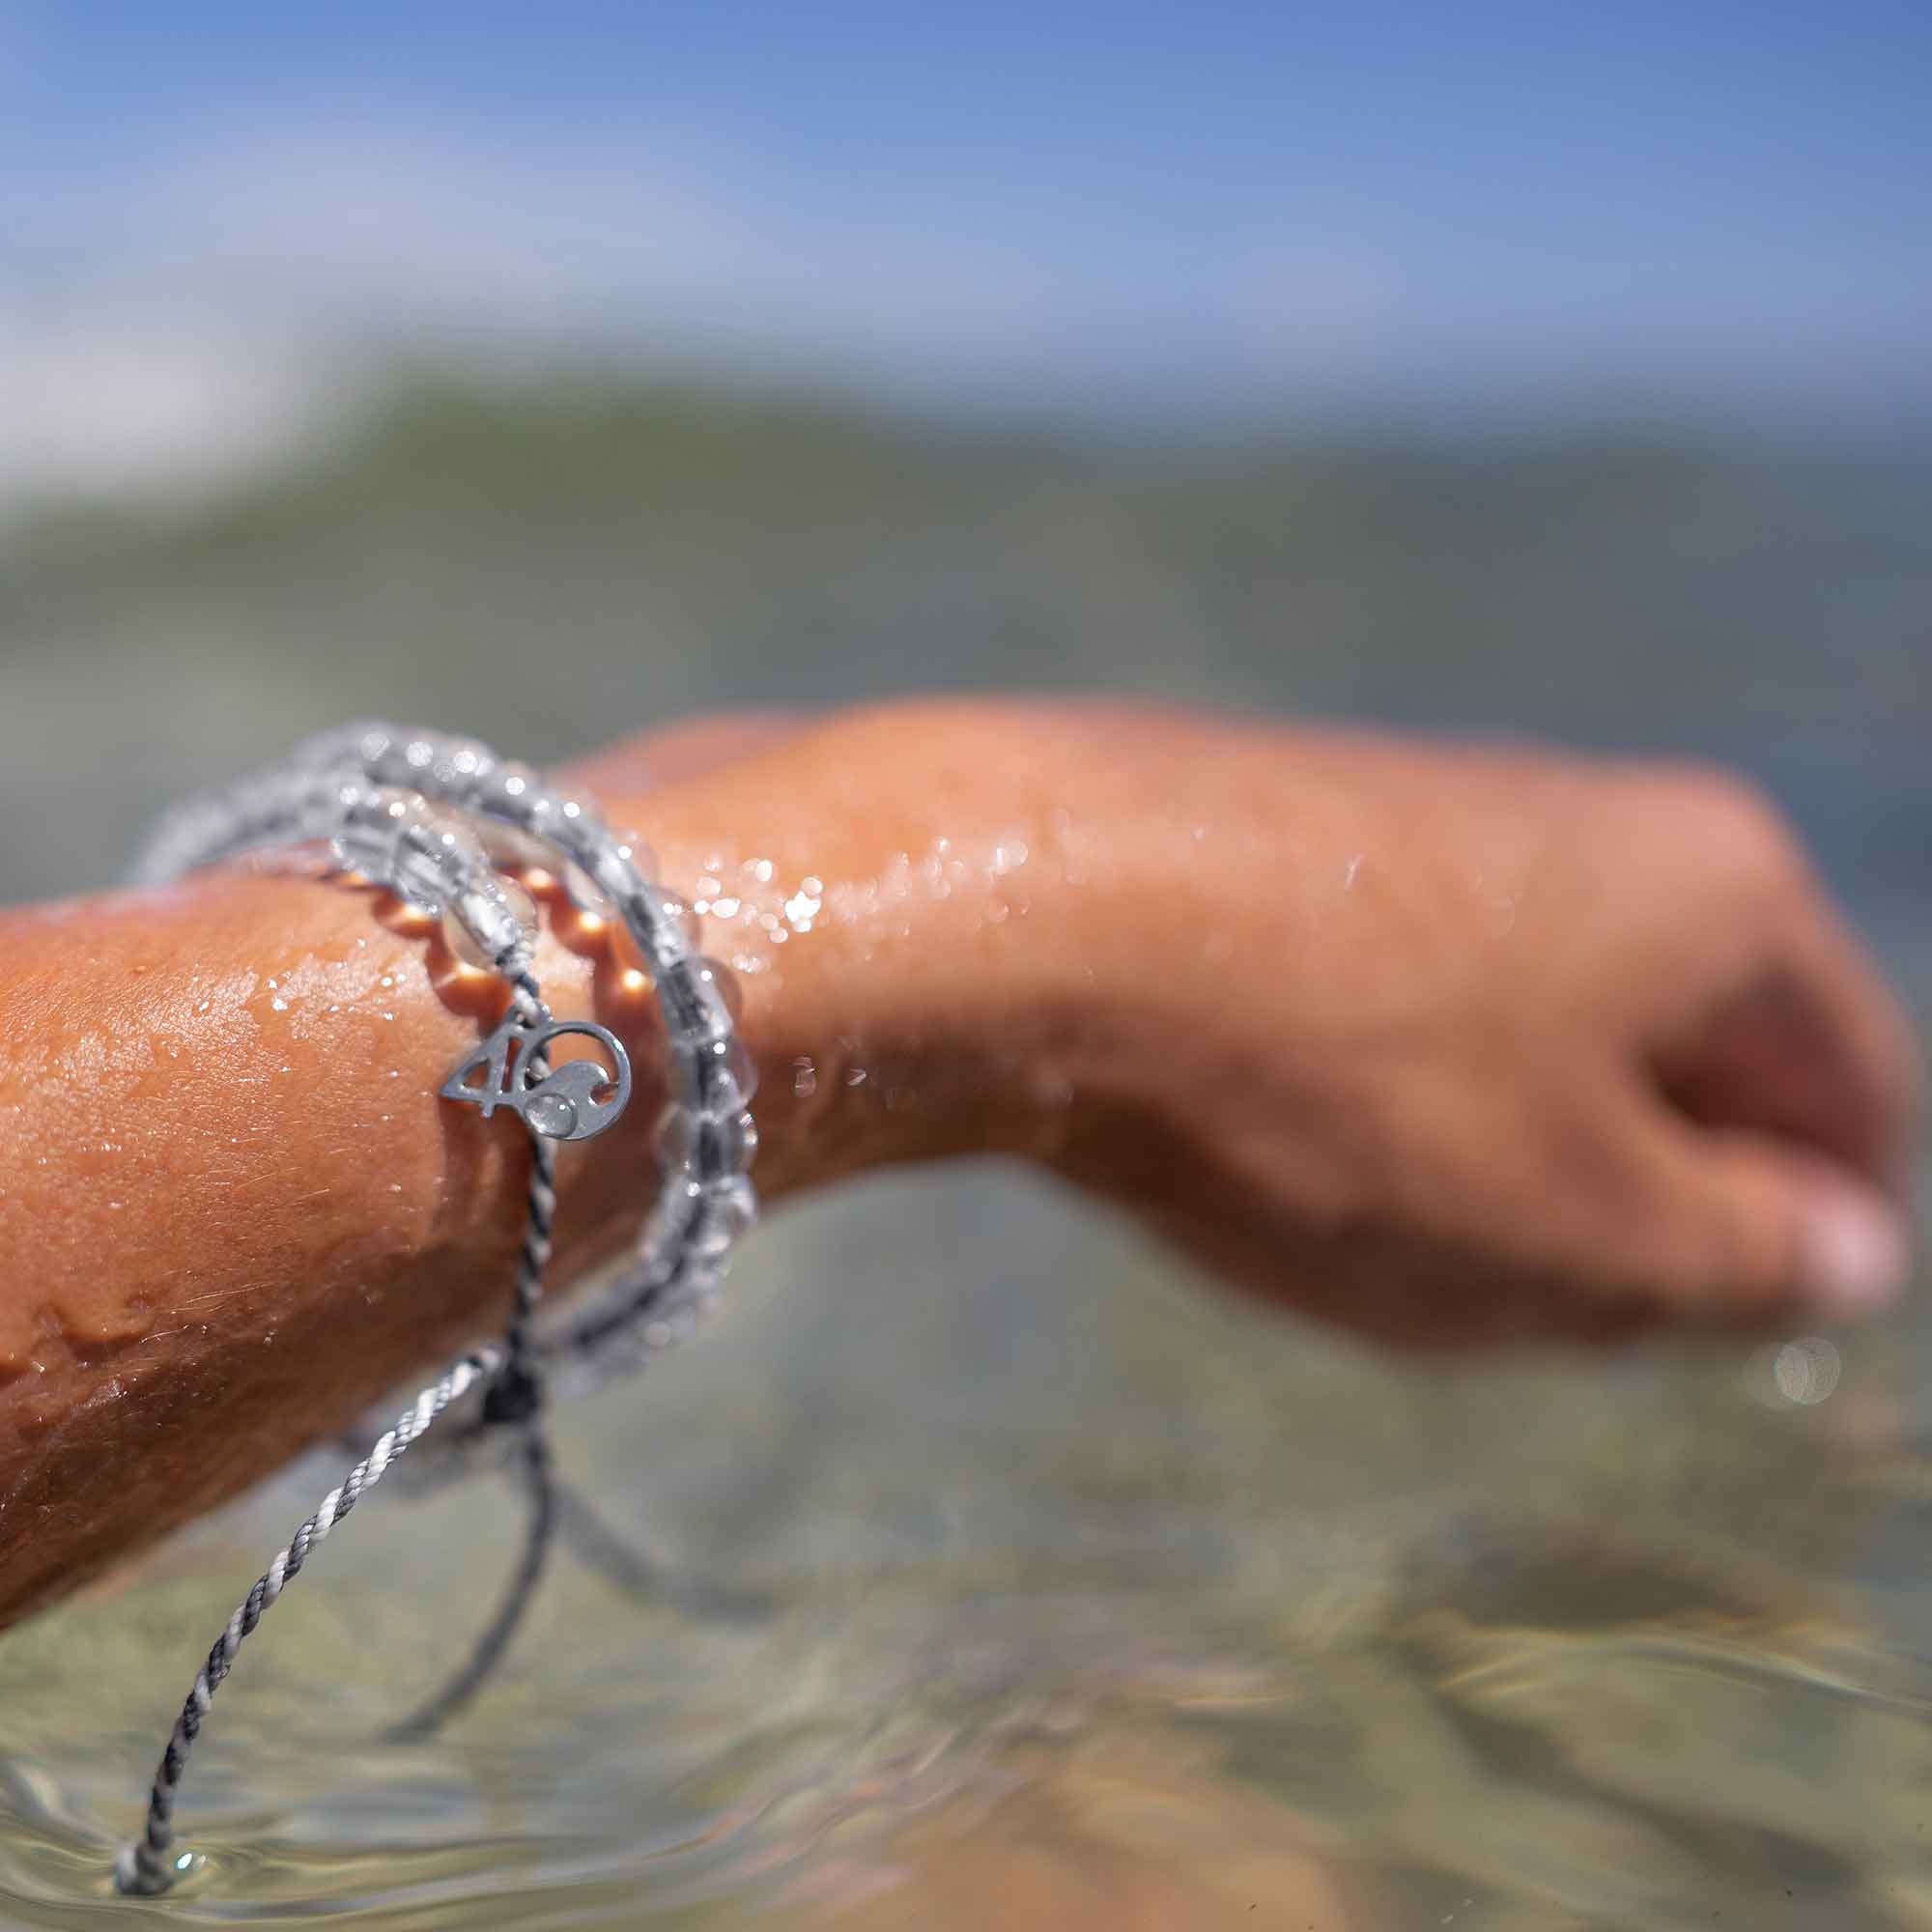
439,821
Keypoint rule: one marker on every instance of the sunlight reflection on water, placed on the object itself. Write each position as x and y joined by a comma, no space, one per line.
1009,1570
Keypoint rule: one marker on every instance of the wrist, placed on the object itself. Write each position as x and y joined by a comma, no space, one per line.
915,949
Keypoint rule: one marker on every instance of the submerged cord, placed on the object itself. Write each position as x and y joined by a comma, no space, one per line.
433,1712
144,1867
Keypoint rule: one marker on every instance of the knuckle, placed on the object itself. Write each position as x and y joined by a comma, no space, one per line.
1737,827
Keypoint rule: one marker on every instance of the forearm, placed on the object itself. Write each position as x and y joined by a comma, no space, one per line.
1447,1047
237,1211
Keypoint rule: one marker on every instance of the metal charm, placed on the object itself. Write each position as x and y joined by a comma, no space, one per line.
561,1106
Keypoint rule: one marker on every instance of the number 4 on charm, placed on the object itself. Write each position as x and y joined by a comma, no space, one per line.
562,1106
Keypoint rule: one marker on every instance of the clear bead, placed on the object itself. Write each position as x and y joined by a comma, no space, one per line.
576,825
508,792
724,984
658,928
681,915
603,870
634,852
541,814
492,923
373,824
613,876
711,1149
585,893
461,767
404,760
429,867
701,998
728,1211
666,1225
720,1077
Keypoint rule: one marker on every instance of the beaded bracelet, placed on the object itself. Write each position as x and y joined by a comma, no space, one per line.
439,821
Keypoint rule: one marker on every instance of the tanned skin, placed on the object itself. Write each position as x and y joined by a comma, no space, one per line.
1452,1047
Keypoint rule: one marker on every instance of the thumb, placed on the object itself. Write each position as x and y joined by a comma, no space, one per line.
1749,1227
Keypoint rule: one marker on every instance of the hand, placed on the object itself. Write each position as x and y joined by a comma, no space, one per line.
1460,1047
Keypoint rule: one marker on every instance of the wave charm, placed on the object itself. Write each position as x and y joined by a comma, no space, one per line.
562,1106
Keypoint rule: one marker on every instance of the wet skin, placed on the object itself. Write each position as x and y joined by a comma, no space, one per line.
1452,1047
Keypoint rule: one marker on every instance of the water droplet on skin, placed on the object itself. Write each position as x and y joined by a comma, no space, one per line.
279,1006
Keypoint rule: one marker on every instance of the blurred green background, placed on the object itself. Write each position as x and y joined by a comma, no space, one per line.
549,560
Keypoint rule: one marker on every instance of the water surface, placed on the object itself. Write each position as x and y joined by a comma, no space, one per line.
995,1562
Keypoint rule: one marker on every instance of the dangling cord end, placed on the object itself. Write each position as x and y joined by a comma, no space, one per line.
144,1868
140,1873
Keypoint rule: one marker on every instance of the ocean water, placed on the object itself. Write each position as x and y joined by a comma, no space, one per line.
980,1569
997,1576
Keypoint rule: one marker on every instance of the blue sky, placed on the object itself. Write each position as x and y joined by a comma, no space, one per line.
1374,208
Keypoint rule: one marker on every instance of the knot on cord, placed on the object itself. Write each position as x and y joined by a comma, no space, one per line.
514,1396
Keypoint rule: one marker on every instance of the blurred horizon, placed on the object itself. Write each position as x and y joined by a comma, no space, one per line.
1505,372
226,228
672,548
